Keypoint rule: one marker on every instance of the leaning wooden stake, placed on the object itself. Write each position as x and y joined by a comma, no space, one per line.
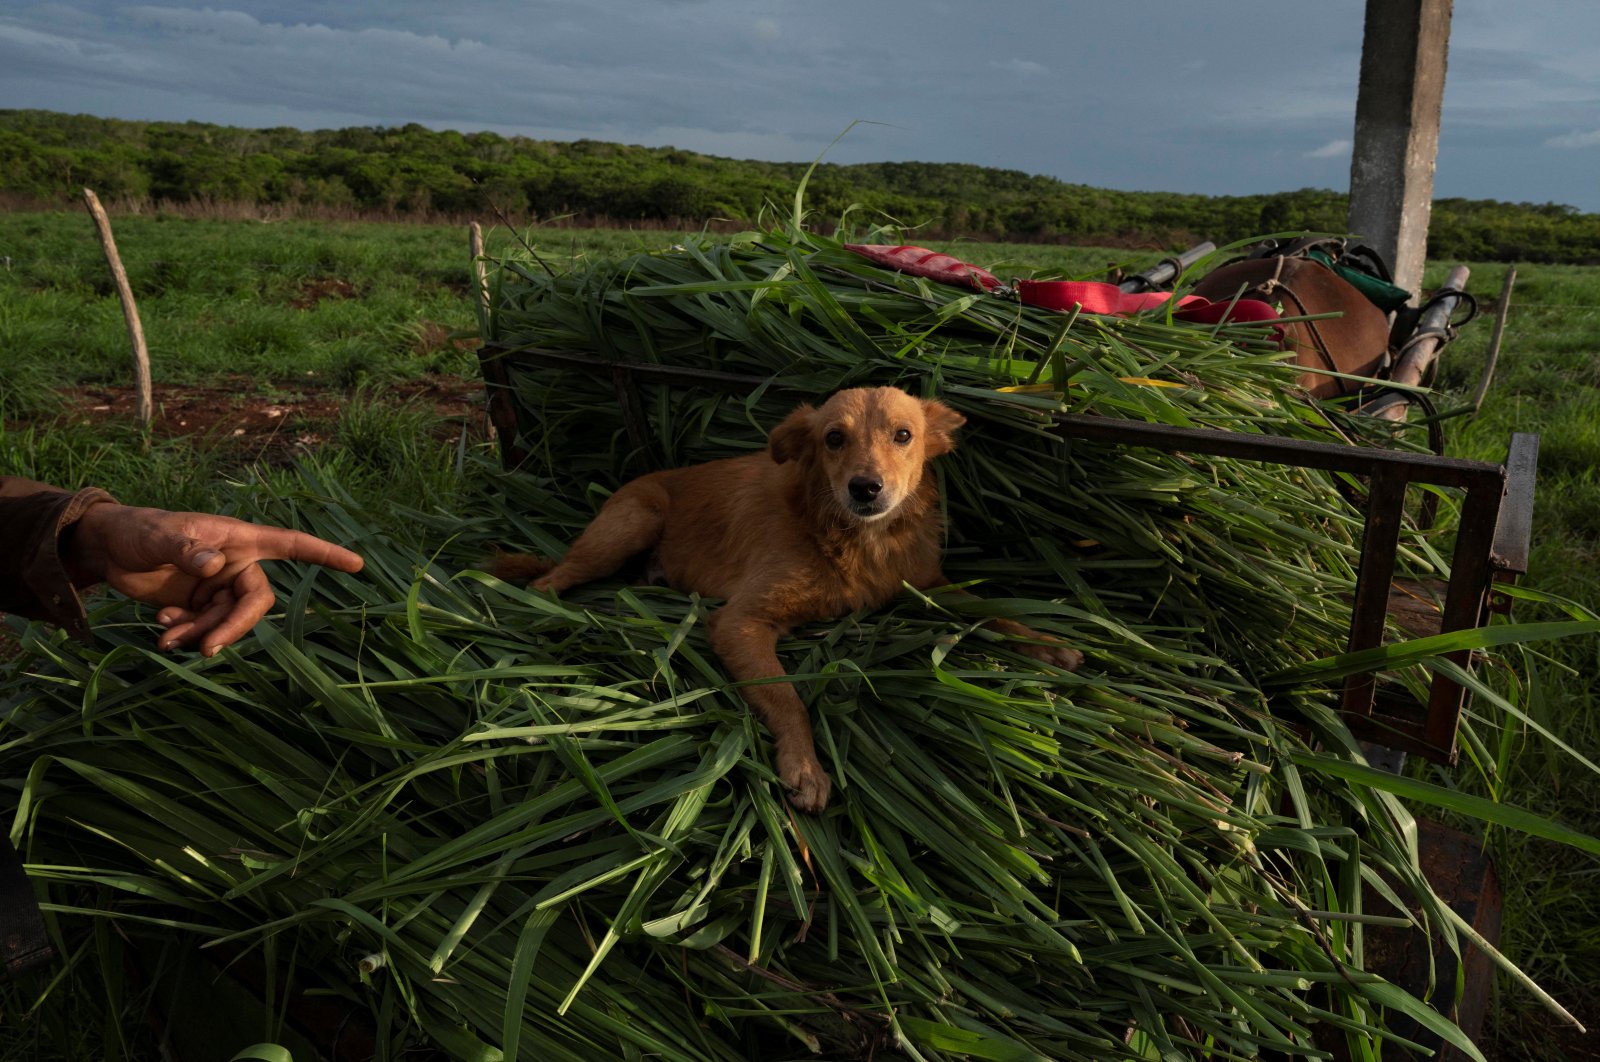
475,240
1495,337
144,406
497,405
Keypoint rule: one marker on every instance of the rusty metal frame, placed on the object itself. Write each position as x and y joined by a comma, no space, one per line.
1493,535
1492,540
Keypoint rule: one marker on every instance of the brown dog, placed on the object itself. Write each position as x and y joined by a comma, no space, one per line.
833,517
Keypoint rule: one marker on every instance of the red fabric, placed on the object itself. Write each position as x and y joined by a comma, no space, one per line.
921,262
1243,310
1061,295
1093,296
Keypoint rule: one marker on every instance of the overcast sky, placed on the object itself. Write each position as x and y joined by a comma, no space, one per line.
1219,98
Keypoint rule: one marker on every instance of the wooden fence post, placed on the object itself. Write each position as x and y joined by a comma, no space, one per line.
475,242
144,405
496,402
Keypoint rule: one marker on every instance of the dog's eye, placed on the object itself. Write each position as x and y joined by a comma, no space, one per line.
834,439
902,436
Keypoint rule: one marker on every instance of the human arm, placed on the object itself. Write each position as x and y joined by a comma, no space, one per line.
203,570
34,581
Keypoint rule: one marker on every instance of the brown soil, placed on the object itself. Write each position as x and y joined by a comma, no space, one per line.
431,337
314,289
237,415
271,427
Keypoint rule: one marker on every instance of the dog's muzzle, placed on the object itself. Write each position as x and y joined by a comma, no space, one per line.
867,499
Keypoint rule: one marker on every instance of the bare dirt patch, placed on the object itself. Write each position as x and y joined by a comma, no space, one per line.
314,289
274,427
432,337
273,423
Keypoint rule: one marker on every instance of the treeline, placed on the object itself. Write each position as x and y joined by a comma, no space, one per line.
46,158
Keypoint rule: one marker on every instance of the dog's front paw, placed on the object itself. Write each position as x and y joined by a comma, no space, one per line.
808,784
1056,653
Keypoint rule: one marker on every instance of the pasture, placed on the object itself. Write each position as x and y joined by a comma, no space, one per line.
349,345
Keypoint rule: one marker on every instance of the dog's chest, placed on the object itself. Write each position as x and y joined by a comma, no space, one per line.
856,576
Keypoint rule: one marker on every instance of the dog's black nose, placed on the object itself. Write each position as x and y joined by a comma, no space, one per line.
865,488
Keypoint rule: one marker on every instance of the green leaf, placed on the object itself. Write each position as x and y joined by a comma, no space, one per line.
968,1042
1461,803
263,1053
1386,657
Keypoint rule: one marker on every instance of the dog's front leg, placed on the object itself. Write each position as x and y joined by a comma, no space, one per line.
747,644
1052,651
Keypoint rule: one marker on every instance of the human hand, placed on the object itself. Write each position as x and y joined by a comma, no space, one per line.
205,570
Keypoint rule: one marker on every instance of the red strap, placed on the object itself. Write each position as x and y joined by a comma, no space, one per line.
1061,295
1093,296
1243,310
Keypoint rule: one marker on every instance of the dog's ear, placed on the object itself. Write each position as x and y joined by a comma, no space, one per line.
789,439
939,423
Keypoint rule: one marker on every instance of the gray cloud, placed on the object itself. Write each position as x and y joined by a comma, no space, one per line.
1333,149
1174,97
1575,139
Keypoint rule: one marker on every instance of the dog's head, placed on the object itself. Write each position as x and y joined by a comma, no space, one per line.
868,444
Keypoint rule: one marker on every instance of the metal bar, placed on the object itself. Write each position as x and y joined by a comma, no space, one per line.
1435,320
1334,457
664,373
1400,731
1422,350
1386,495
1164,273
1463,608
1337,457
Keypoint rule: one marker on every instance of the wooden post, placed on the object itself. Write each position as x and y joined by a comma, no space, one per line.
143,404
498,404
1499,333
1403,51
475,242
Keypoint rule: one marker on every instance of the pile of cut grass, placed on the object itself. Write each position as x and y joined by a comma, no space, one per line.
492,818
1256,556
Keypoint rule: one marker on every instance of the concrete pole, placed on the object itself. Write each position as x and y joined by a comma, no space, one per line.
1403,53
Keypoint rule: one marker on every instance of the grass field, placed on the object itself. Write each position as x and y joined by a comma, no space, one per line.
354,334
1548,381
265,337
289,305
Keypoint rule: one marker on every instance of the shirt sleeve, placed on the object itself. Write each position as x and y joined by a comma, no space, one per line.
34,522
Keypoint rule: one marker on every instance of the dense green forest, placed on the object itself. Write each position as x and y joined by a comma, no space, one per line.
46,158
